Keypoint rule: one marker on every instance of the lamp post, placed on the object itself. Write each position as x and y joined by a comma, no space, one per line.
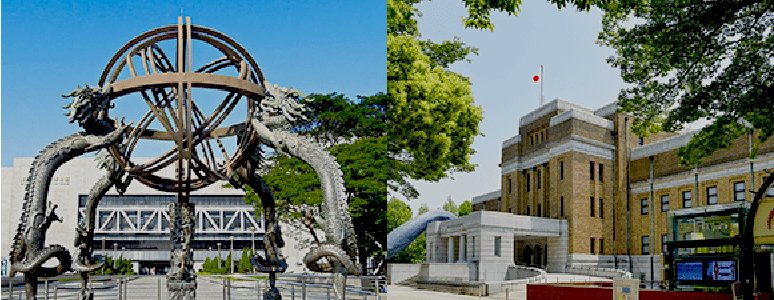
219,256
231,254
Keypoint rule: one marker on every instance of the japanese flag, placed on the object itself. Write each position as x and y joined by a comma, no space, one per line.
537,78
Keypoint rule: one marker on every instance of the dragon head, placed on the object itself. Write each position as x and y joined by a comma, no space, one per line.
89,107
283,102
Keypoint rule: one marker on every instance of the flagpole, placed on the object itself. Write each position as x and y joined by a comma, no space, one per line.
541,85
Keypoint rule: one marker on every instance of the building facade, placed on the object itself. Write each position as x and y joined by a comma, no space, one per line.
587,168
135,225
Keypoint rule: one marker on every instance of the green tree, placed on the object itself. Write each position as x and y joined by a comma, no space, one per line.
690,61
465,208
120,266
398,213
244,263
451,207
423,208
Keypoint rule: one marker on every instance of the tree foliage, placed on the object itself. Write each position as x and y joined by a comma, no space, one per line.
451,207
465,208
111,266
692,61
398,213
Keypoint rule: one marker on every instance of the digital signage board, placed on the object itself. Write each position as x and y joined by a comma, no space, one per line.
690,270
706,270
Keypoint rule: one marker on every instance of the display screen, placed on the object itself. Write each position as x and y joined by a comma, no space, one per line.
721,270
689,270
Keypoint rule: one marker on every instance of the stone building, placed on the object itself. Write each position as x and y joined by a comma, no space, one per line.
575,192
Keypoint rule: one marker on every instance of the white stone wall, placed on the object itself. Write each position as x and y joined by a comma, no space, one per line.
400,272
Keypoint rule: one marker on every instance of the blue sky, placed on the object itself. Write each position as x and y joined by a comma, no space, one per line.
501,75
51,47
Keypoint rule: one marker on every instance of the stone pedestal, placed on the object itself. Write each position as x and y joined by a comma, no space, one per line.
181,279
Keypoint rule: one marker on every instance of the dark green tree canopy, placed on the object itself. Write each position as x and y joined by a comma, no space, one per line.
692,61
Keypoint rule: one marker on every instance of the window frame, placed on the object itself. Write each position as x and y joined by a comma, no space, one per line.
562,208
662,203
645,245
644,207
711,196
741,191
561,170
601,209
539,179
601,169
497,246
601,246
664,239
689,199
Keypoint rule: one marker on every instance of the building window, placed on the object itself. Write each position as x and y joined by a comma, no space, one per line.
686,199
472,246
531,140
601,209
528,211
527,182
663,243
644,206
541,136
562,206
645,245
602,246
561,170
497,242
539,179
591,170
712,195
591,206
591,249
600,172
540,210
739,192
640,141
665,203
509,185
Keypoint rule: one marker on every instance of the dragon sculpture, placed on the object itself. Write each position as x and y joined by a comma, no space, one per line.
272,124
89,109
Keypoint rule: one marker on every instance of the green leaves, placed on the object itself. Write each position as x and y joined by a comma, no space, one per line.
694,61
433,118
478,12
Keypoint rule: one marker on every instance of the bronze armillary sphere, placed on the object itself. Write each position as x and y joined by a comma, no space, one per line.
166,89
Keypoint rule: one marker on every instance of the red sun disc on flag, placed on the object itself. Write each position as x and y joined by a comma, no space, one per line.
535,78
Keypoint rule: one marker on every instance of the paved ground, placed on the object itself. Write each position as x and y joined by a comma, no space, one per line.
395,292
147,288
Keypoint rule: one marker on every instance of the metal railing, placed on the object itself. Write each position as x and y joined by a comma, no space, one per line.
225,287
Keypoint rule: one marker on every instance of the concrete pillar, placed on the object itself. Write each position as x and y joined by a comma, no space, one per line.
558,251
461,254
450,250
